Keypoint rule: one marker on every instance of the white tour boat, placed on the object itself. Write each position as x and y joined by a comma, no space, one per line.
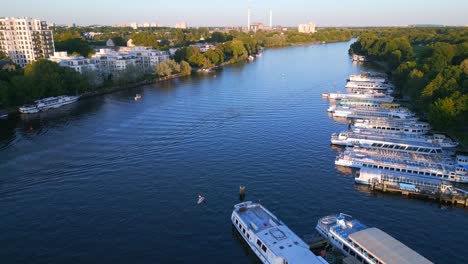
412,128
366,245
367,77
48,103
374,86
376,97
372,112
269,238
437,139
414,165
351,139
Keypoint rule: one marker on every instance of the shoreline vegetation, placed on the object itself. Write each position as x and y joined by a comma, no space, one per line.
44,78
429,67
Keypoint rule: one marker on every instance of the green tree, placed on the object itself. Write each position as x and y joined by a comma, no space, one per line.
163,69
185,67
173,65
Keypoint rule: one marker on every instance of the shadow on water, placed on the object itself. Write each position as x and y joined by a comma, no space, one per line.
20,126
237,237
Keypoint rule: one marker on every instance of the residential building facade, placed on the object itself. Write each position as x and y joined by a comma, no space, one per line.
182,25
25,40
204,47
108,61
78,63
307,28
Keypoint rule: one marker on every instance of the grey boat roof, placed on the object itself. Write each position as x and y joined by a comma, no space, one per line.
386,248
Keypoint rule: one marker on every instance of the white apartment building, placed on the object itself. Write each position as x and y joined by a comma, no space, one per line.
109,60
204,47
78,63
25,39
148,57
182,25
307,28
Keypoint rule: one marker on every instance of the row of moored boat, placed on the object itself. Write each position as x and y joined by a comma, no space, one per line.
386,141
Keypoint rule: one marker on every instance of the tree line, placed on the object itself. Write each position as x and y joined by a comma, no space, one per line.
427,65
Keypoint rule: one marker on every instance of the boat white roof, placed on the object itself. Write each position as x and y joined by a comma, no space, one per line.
386,248
276,236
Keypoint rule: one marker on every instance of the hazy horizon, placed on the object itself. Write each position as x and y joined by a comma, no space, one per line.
211,13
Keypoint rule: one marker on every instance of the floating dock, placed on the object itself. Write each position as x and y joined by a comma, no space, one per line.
437,194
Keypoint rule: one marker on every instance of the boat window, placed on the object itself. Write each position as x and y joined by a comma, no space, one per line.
264,248
259,243
346,248
359,258
237,222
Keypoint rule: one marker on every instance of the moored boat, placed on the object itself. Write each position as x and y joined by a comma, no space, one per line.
393,126
367,77
376,97
269,238
365,244
406,164
48,103
380,142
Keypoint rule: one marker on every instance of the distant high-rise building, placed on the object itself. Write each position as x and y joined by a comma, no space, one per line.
307,28
25,40
182,25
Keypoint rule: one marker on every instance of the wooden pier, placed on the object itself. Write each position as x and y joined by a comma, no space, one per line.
440,195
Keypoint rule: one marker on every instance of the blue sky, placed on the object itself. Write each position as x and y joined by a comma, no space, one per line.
233,12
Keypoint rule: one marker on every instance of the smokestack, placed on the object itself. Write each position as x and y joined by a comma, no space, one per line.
271,19
248,20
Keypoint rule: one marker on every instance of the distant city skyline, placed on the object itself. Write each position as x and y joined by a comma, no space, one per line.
234,13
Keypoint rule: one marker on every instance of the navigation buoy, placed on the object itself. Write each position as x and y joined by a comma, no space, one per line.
241,193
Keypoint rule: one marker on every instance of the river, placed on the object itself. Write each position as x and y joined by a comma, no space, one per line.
114,180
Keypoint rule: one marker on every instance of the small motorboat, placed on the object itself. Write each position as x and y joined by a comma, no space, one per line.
137,97
200,199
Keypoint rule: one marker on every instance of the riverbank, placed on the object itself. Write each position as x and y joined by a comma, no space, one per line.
120,87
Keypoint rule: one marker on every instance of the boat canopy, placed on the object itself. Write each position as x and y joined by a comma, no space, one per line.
385,248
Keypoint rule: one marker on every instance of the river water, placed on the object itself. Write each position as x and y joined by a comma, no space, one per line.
112,180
